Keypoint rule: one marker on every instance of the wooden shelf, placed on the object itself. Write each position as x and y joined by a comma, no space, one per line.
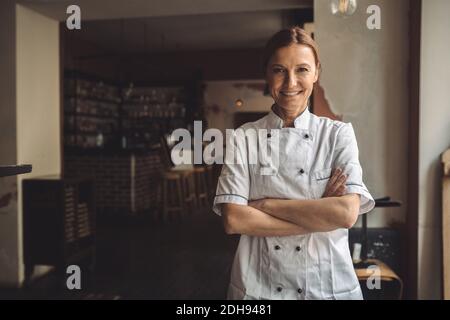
88,133
100,116
105,100
15,170
173,98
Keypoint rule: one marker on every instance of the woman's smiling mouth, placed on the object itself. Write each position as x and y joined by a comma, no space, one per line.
290,93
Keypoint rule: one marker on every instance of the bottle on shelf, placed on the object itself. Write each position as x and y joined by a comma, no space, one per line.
173,107
100,140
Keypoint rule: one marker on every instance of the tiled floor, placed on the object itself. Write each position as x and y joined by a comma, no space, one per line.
143,259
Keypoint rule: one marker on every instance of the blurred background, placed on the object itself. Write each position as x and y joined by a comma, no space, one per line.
91,110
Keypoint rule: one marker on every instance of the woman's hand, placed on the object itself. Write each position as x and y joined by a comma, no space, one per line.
336,185
335,188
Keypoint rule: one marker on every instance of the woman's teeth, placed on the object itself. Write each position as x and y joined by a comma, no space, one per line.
290,94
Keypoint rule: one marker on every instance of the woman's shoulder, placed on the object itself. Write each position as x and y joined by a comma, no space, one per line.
335,129
329,123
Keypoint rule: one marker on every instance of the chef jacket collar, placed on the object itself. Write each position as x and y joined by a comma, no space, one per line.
301,122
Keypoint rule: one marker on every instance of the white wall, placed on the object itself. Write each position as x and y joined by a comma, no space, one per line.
434,139
365,78
33,128
38,100
38,92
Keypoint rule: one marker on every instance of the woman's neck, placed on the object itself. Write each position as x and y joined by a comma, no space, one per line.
288,115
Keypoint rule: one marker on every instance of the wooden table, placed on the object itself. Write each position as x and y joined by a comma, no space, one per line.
386,276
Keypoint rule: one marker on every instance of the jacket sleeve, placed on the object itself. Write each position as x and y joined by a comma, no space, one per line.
346,156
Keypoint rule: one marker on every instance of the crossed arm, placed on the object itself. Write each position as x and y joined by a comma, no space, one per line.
284,217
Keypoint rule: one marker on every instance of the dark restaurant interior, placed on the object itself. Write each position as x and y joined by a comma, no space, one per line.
86,118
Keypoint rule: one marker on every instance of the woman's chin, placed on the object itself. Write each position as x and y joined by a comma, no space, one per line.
290,104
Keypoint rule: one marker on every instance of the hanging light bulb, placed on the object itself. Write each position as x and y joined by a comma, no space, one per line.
343,8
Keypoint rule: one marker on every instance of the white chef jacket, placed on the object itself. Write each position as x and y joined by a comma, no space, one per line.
313,266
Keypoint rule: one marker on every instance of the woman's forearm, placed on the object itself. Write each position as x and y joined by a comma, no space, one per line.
320,215
241,219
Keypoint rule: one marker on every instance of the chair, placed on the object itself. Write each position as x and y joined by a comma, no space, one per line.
201,186
172,193
391,285
176,182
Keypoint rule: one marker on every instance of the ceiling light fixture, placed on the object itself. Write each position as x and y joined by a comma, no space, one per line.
343,8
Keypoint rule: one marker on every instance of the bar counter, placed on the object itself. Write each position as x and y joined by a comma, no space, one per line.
125,180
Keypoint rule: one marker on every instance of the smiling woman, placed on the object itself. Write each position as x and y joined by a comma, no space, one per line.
291,66
293,219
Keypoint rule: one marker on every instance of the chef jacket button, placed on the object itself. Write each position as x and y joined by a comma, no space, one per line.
306,136
298,248
302,171
269,135
300,291
279,289
277,247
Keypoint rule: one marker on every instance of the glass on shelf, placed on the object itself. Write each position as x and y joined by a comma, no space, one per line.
141,112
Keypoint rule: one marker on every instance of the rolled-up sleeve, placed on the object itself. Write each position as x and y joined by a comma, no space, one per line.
234,182
347,157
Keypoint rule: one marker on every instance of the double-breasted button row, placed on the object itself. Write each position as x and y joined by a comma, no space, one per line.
299,290
277,247
306,136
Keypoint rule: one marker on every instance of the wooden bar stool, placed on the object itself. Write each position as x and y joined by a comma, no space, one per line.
188,195
211,188
188,188
172,194
186,174
201,187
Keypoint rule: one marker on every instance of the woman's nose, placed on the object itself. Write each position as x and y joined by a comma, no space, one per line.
291,80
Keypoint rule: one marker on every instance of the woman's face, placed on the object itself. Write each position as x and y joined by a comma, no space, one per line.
290,75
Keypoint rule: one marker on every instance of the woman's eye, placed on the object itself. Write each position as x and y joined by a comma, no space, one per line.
278,70
303,70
